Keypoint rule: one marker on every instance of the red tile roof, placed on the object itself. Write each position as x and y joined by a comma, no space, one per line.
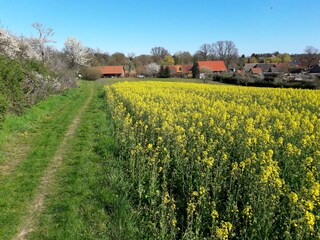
256,70
216,66
174,68
111,69
186,69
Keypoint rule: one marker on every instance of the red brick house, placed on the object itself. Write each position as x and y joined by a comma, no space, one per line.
111,71
214,66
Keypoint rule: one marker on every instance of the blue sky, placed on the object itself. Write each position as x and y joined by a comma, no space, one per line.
255,26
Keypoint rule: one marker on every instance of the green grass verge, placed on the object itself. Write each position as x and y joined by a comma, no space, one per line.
110,81
90,197
15,129
47,122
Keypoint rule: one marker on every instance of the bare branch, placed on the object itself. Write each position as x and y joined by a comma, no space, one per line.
42,39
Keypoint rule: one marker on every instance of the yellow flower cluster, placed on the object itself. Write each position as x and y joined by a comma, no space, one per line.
254,152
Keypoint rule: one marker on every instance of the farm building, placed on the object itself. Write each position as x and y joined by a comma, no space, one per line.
111,71
214,66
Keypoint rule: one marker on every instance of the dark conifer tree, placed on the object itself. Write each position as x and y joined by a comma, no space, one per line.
161,72
195,70
166,72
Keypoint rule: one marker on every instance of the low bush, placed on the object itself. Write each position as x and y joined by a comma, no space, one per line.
90,73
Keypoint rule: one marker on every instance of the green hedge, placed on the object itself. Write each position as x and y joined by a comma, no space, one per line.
15,87
3,107
11,77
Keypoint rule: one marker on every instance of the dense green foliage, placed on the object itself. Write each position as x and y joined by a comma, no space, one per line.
3,107
23,82
90,73
11,77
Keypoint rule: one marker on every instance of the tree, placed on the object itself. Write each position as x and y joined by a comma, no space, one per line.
166,73
90,73
168,60
205,74
311,56
77,54
205,52
159,51
242,61
183,58
195,70
253,60
98,58
130,63
118,59
131,55
26,50
225,51
43,38
275,59
158,54
9,45
152,69
142,60
161,72
286,58
17,47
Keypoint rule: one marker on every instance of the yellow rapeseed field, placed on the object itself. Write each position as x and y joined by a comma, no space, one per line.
220,162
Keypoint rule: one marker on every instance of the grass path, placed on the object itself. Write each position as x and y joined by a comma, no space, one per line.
59,177
29,221
21,171
18,131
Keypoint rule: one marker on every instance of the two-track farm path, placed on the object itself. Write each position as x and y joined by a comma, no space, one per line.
28,165
59,176
36,206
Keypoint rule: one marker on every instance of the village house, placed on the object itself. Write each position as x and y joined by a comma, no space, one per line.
315,68
214,66
248,66
111,71
180,70
186,70
175,70
255,71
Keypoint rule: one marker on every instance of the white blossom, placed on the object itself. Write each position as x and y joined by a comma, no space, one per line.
152,69
28,50
77,54
9,45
